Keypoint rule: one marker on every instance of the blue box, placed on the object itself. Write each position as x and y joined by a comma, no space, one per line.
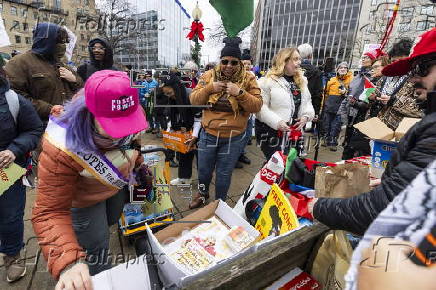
381,154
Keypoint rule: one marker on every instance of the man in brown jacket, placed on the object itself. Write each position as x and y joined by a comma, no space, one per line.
232,94
39,74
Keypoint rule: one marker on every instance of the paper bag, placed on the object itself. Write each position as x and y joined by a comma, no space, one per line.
344,180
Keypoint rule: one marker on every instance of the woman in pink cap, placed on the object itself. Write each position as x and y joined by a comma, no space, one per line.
85,166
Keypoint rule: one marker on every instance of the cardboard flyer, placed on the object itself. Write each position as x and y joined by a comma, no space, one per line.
277,216
9,175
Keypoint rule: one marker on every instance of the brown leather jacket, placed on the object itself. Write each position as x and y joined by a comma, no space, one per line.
31,76
63,184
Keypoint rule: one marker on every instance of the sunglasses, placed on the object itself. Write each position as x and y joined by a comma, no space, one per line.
422,69
231,62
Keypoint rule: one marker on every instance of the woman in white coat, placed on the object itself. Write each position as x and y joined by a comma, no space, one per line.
286,101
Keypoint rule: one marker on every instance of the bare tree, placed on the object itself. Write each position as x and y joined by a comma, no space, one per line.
118,20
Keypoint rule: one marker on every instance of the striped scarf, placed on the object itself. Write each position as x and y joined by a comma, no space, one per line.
409,217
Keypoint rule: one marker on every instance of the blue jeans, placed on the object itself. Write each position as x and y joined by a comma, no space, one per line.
91,225
332,128
220,154
248,133
12,204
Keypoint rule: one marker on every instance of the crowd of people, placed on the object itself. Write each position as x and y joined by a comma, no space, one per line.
94,120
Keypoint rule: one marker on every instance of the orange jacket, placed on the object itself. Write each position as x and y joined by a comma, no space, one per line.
63,184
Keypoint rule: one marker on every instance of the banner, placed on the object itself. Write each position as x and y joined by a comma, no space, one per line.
70,46
9,175
4,38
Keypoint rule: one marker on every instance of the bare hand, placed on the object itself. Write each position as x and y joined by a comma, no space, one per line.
191,142
282,126
75,278
232,89
57,110
342,92
218,87
67,75
373,96
384,99
301,123
6,158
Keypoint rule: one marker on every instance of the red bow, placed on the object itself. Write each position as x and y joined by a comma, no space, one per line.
196,29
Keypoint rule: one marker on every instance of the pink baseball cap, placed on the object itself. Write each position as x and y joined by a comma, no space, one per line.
114,103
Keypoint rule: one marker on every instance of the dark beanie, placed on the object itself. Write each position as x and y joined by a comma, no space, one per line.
231,47
246,54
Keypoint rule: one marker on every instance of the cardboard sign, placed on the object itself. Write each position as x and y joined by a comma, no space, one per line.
176,141
277,216
4,38
71,44
9,175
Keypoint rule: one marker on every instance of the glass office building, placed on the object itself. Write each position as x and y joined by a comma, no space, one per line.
328,25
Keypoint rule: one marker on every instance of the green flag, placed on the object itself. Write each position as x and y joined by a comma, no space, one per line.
235,14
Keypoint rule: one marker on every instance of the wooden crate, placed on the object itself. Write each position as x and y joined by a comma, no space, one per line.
266,265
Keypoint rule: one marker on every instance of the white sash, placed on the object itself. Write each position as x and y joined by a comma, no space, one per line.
95,163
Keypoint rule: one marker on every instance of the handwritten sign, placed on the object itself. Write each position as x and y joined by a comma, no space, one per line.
71,44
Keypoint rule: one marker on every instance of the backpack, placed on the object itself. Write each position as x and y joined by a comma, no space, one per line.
13,103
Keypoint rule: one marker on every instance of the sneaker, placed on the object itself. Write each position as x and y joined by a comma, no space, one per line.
244,159
174,164
179,181
15,267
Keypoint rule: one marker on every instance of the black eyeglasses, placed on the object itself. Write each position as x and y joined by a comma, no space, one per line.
232,62
422,68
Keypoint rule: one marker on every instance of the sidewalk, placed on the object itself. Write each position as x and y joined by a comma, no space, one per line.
37,276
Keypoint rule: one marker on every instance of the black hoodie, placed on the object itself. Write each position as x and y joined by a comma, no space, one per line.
87,69
314,83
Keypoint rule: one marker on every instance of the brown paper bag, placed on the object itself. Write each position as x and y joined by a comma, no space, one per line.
332,260
344,180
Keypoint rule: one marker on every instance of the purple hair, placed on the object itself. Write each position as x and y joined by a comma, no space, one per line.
79,124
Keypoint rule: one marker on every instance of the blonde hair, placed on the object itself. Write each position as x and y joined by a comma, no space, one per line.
278,66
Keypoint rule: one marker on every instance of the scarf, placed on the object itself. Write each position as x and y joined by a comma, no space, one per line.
238,78
409,217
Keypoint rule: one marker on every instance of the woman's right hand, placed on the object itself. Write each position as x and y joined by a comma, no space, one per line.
76,278
283,126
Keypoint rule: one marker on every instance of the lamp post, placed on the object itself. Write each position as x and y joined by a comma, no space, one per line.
196,34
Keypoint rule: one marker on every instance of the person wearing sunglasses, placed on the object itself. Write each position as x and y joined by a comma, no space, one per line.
100,58
286,101
415,151
232,94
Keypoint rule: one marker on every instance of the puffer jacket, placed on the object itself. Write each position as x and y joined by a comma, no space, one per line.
278,104
63,184
333,97
35,75
415,151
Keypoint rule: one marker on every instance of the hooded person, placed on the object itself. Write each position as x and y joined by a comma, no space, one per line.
232,94
415,151
40,74
313,75
101,58
86,164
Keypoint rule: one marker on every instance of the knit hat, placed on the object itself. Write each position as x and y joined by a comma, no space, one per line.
231,47
246,55
344,63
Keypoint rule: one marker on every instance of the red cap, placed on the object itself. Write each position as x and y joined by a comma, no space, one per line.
426,44
114,103
372,54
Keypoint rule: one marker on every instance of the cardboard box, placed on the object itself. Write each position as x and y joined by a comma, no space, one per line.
375,129
170,272
176,140
384,141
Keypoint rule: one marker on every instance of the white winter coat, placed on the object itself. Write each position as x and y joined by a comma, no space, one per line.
279,105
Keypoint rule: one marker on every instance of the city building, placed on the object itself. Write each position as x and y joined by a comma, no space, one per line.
160,39
21,16
328,25
413,18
